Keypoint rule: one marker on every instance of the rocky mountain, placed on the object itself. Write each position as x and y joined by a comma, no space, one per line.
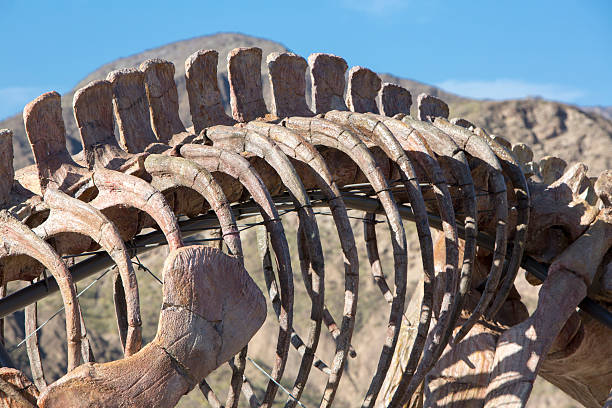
550,128
605,111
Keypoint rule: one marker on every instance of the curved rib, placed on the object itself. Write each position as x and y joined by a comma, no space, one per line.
254,143
423,136
477,147
512,169
296,147
322,132
369,236
168,172
118,189
380,134
31,324
18,239
215,159
454,158
68,214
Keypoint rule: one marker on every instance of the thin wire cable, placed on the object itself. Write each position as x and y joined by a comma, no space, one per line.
142,267
59,311
273,380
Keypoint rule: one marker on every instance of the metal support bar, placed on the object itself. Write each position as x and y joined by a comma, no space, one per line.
143,243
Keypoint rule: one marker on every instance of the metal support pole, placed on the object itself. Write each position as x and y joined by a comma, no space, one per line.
143,243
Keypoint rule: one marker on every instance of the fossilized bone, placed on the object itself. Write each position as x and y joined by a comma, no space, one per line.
484,195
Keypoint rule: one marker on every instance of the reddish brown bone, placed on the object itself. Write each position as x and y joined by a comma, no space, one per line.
327,74
93,111
168,172
47,135
205,101
363,87
18,239
372,128
7,174
218,160
298,148
322,132
244,75
478,147
163,98
394,99
210,310
31,324
287,72
118,189
423,135
131,109
311,260
16,390
385,131
521,350
68,214
512,169
430,107
462,122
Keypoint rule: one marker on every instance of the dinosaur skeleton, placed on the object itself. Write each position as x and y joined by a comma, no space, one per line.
491,202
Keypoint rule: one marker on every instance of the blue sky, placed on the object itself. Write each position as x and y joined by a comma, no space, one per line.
560,50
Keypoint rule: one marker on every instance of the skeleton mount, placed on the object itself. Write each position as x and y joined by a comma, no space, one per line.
465,339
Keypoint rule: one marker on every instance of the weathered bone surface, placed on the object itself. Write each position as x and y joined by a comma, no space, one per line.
327,73
163,98
363,87
210,310
466,341
245,84
203,91
288,78
394,99
131,109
